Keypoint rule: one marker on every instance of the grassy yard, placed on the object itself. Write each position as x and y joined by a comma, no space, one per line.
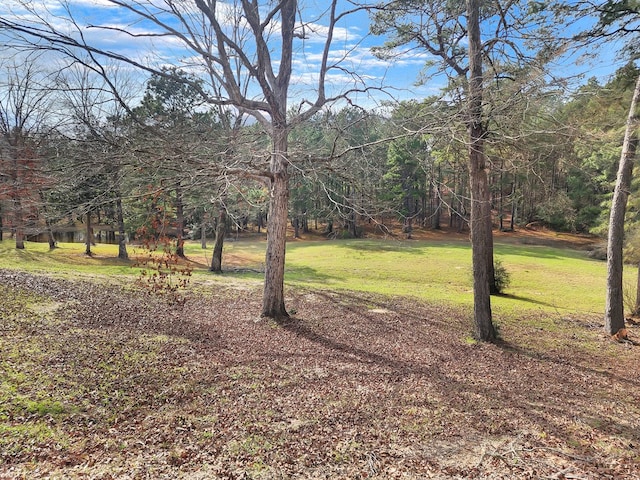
375,376
543,278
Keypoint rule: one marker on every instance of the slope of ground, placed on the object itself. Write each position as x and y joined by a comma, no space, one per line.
99,382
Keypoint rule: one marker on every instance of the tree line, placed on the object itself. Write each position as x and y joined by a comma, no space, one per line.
159,157
225,143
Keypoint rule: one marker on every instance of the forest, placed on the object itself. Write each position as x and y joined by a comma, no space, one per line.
167,161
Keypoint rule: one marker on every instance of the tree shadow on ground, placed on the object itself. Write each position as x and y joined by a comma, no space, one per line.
520,298
415,247
517,379
307,275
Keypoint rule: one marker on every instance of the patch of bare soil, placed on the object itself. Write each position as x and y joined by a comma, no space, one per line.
532,234
353,386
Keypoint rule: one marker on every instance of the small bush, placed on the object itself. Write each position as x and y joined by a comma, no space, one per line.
502,276
598,251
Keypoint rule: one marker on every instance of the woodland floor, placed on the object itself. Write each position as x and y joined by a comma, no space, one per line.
100,382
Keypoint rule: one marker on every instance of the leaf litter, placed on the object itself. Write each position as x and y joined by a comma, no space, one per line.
100,382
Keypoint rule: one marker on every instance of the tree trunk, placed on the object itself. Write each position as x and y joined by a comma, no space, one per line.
179,223
259,221
273,298
18,223
408,227
435,224
296,228
203,235
47,221
353,225
501,197
221,231
50,237
481,232
122,238
614,307
19,237
514,206
87,250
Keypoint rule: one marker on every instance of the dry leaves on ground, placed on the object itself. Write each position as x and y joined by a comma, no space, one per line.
100,382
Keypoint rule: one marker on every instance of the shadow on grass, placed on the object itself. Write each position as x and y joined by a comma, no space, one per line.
540,251
519,298
397,246
308,275
543,413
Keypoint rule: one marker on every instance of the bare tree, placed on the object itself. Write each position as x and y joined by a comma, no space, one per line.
26,113
245,39
481,224
221,230
98,118
617,20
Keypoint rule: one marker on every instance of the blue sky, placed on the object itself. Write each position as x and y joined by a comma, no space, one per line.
351,50
352,44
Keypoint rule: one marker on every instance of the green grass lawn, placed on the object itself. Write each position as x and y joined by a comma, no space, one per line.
68,258
542,278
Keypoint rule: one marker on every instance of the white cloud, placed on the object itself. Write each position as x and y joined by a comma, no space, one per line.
88,3
317,33
127,34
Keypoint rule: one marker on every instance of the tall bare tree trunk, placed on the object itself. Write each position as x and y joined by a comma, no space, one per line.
203,234
221,231
273,297
50,236
260,220
179,222
514,206
614,307
18,223
481,232
435,223
87,250
122,237
47,221
18,220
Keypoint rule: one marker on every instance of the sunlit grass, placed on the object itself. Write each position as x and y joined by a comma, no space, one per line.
542,278
66,258
553,278
436,271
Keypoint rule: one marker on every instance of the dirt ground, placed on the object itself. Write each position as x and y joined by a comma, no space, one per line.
103,383
533,234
